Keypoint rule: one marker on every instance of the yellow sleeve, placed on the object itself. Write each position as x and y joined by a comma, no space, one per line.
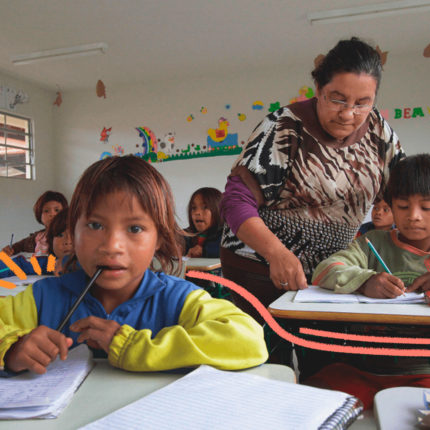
18,317
209,331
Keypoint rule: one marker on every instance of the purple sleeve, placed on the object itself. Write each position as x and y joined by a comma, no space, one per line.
238,203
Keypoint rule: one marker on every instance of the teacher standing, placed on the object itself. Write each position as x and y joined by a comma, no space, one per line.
307,177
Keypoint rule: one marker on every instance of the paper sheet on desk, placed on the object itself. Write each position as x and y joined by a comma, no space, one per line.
44,396
314,294
208,398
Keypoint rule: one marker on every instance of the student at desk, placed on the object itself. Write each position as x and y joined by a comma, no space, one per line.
121,216
406,251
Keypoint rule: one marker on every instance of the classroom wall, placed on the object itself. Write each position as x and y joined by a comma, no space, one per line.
17,196
68,137
165,106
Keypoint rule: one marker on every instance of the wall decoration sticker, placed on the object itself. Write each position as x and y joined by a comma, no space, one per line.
104,134
105,154
167,144
58,100
274,106
100,89
190,117
228,106
203,110
149,141
219,137
257,105
118,150
305,93
241,116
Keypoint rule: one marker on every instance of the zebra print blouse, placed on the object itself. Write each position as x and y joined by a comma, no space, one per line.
316,193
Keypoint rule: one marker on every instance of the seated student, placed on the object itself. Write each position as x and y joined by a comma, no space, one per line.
59,240
45,208
382,218
205,223
59,245
121,215
406,252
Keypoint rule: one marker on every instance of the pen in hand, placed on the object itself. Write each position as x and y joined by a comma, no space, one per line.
379,258
79,299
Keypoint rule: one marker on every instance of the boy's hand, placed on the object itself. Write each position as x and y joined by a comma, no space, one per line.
422,283
8,250
383,286
97,332
37,350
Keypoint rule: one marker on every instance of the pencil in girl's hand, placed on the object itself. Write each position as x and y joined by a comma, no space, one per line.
372,248
79,299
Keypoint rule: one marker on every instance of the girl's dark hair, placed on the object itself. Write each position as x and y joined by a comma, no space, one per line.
350,56
212,198
48,196
408,177
57,226
133,175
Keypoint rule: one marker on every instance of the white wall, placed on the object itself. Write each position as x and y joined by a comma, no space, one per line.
163,107
17,196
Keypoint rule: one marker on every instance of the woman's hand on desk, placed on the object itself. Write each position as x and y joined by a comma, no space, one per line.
37,350
97,332
286,271
195,252
383,286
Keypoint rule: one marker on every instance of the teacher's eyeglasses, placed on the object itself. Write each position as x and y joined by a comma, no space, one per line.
339,105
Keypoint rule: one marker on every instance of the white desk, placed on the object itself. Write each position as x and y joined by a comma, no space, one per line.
21,285
107,389
202,264
285,307
397,408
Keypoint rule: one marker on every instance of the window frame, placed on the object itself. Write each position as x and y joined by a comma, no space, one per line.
5,130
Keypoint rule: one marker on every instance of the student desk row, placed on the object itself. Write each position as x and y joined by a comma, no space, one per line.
107,389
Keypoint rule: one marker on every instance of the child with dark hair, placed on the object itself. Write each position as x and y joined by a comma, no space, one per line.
406,251
59,245
205,223
45,208
121,217
382,218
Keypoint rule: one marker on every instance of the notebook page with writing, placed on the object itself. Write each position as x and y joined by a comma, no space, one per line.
29,395
210,398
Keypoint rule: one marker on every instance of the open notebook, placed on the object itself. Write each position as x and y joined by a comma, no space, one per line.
29,395
208,398
314,294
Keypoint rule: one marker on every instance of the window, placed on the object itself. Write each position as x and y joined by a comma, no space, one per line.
16,147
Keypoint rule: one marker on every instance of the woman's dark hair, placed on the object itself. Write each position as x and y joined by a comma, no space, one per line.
408,177
350,56
212,199
48,196
135,176
57,226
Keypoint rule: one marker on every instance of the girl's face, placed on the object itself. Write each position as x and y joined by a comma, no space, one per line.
200,214
382,217
62,245
118,234
412,218
49,210
336,119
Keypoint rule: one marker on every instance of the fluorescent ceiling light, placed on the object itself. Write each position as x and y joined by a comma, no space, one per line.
369,11
60,53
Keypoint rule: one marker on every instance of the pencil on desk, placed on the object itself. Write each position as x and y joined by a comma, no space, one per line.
372,248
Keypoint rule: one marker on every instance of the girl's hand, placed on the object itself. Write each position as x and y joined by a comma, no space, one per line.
97,332
195,251
383,286
422,283
37,350
286,271
8,250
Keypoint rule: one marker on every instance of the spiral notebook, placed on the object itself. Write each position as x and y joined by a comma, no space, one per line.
208,398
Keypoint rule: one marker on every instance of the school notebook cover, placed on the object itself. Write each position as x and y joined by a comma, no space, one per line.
213,399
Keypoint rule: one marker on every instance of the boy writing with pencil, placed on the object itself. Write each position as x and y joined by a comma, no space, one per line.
385,264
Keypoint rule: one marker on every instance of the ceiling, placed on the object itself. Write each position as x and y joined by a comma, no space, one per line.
173,39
